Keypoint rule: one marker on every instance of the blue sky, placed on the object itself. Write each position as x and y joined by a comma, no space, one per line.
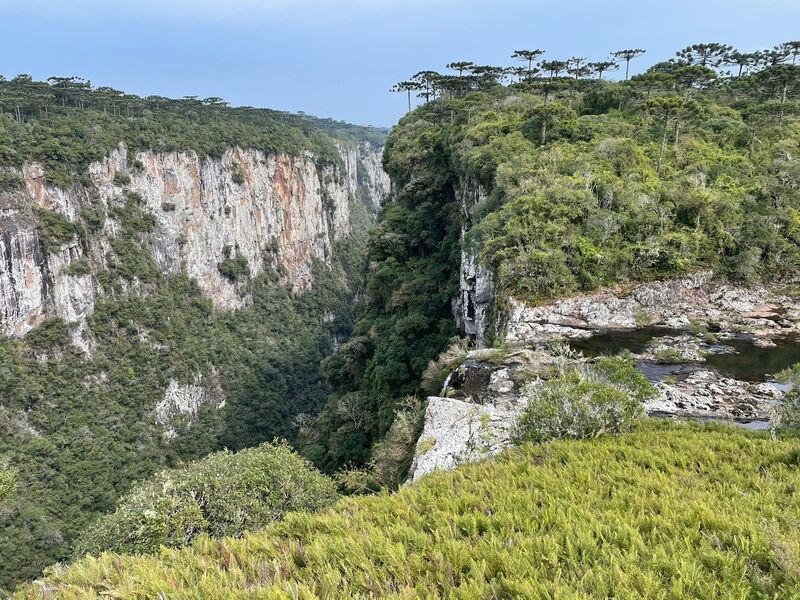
339,58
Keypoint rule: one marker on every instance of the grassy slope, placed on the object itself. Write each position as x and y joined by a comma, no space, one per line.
666,512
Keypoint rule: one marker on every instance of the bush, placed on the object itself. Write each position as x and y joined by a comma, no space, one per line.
224,494
10,182
237,176
8,483
121,179
79,267
233,268
585,401
786,416
54,230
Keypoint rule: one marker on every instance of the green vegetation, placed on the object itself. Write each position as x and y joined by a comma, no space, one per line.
234,268
669,511
8,483
81,430
604,397
669,356
80,267
563,182
54,230
786,418
224,494
10,182
66,124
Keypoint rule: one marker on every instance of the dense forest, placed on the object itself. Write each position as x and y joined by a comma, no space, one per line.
65,123
560,181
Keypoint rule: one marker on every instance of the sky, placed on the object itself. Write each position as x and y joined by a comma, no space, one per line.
338,58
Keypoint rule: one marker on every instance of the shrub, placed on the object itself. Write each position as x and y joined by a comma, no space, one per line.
669,356
233,268
51,334
8,483
79,267
786,416
237,176
435,374
121,179
94,217
224,494
54,230
10,182
585,401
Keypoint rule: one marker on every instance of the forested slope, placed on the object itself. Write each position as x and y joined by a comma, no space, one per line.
130,227
551,181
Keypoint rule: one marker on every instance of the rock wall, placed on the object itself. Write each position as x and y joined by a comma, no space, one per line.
282,211
471,306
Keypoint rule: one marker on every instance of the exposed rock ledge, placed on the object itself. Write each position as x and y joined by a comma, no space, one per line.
675,304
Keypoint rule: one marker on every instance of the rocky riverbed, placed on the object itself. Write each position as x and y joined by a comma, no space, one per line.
708,348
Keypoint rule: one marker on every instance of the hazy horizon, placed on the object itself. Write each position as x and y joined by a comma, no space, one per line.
339,59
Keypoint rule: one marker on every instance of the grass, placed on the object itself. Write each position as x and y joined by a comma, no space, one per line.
668,511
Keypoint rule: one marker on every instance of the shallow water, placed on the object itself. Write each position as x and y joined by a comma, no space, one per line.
748,363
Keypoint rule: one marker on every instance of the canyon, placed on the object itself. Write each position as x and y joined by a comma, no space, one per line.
283,212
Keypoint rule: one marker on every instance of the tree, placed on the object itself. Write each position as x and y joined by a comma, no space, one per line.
603,66
793,48
527,56
426,84
488,75
461,66
706,55
780,78
8,482
545,116
742,60
554,67
577,66
407,87
628,56
667,109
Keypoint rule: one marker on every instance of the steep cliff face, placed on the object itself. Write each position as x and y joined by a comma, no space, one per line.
264,211
471,306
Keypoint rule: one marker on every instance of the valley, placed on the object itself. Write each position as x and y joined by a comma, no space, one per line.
539,339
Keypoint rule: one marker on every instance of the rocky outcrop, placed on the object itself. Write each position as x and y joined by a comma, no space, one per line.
185,401
272,211
674,304
708,395
475,415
